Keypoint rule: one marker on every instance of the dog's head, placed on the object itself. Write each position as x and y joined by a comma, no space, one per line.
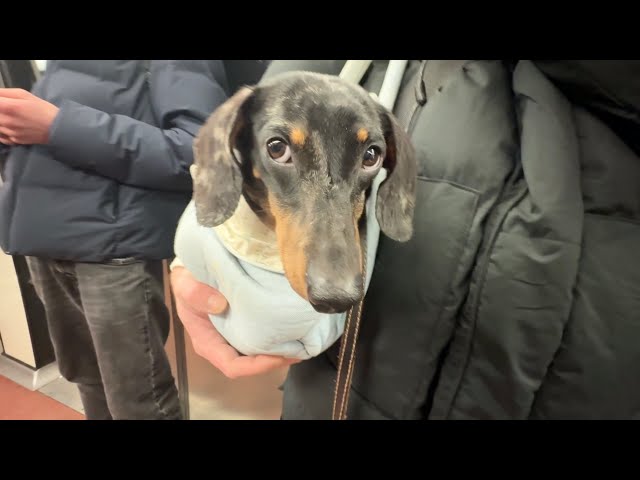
304,149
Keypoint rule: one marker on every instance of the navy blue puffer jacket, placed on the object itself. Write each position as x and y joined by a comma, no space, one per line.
114,178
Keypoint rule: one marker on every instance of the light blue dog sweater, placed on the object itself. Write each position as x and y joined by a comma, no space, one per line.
265,314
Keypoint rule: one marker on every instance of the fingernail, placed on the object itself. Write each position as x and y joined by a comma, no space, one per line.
216,304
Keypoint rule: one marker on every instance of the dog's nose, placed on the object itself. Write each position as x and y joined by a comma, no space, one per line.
333,296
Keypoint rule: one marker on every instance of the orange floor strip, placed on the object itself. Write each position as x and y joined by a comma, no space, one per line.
19,403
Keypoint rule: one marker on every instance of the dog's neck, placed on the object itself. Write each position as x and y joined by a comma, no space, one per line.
248,236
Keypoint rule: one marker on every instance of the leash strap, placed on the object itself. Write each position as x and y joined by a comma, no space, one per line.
353,71
346,360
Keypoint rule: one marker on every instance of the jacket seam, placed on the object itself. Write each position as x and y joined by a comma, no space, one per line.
450,182
415,398
612,218
150,353
567,320
481,284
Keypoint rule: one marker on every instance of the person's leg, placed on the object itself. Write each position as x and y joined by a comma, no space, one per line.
129,322
57,287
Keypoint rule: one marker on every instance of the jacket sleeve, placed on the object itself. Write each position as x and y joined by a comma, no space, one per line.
183,94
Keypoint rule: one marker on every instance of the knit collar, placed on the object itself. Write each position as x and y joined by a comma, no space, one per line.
249,239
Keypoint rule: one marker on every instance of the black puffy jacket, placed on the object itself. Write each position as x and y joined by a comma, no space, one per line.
518,296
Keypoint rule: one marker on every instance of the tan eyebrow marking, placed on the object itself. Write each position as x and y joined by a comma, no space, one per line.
297,136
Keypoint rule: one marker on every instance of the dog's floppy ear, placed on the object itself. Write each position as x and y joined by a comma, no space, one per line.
396,195
217,178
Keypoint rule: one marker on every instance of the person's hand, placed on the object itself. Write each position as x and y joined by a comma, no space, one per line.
194,301
24,118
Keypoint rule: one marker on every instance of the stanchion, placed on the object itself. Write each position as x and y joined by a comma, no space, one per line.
179,343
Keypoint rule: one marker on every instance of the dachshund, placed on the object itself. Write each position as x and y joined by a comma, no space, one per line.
303,148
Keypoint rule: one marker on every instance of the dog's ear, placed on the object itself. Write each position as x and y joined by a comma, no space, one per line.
397,193
216,173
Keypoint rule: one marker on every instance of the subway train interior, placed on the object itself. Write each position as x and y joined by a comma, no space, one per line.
497,201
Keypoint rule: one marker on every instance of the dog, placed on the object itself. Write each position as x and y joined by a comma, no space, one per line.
304,148
302,151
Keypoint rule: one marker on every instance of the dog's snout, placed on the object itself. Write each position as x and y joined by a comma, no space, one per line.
333,296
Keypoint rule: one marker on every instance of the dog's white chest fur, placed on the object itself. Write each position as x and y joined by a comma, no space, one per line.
244,235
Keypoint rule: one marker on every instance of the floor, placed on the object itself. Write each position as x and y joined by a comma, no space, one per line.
20,403
211,395
56,399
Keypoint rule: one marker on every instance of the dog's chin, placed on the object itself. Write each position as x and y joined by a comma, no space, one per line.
329,308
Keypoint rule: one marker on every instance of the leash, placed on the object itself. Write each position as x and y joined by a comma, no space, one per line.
353,71
348,355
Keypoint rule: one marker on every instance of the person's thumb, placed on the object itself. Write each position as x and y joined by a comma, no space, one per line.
216,303
197,297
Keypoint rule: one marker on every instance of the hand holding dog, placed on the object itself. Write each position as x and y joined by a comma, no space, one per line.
194,301
24,118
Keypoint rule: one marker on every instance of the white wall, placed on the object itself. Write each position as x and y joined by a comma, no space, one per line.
14,329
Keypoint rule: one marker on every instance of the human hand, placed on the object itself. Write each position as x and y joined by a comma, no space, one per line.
194,301
24,118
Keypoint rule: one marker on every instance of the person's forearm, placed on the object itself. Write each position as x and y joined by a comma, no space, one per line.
122,148
182,95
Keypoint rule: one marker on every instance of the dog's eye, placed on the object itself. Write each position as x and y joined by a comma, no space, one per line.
371,158
279,151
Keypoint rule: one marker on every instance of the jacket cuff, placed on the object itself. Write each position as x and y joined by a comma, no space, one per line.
57,129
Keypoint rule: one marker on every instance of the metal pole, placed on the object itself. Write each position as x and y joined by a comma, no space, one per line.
179,344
